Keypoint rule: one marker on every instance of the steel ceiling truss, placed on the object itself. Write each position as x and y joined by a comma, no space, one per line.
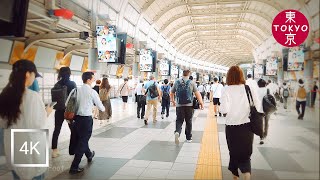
273,4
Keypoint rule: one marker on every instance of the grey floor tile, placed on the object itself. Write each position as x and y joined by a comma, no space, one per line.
308,143
116,132
255,174
100,168
197,136
159,151
202,115
280,160
158,125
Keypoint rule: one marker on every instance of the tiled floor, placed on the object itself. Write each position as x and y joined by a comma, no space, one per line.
128,149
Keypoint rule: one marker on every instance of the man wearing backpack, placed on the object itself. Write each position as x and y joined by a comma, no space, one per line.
165,100
301,99
285,94
59,94
183,90
153,95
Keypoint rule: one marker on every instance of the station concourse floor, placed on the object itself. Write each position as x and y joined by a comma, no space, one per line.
128,149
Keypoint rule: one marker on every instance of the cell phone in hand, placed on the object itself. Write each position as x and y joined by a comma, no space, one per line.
52,104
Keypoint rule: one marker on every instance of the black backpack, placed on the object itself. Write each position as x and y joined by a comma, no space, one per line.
153,90
165,95
269,103
59,94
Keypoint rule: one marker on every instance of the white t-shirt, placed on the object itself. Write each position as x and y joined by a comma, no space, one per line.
138,89
216,89
273,88
208,88
33,116
235,104
201,88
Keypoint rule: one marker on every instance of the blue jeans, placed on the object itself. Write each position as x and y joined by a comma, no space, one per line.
16,177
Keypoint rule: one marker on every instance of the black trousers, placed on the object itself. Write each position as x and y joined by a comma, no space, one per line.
303,107
313,98
141,107
184,113
165,104
83,130
239,140
58,121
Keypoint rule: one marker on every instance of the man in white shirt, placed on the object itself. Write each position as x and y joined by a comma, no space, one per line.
201,90
216,90
208,89
274,88
86,98
141,103
253,85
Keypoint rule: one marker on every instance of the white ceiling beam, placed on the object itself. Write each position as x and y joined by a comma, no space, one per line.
161,12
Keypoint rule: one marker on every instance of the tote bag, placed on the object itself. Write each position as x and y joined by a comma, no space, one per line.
256,118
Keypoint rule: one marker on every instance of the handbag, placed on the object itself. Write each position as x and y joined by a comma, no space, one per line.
71,106
256,118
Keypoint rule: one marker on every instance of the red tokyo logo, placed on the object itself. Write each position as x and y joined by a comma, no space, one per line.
290,28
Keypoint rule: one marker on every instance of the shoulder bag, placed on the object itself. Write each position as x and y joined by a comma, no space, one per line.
256,118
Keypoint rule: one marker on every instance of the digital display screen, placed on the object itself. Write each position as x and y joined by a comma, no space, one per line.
271,66
146,60
164,67
295,59
107,43
258,71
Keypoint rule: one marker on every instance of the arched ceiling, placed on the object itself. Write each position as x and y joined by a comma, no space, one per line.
218,31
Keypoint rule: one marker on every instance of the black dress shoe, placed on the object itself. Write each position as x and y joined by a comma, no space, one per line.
92,155
138,117
146,121
76,171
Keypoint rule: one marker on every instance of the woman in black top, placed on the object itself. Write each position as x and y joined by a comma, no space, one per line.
64,80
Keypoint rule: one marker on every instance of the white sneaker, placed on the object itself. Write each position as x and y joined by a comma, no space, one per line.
189,141
176,137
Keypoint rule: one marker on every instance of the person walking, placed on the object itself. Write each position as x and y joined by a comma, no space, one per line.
262,91
141,100
285,93
301,99
153,95
314,94
26,110
201,90
83,123
124,92
104,94
251,83
216,89
183,89
165,100
208,89
234,103
63,81
95,109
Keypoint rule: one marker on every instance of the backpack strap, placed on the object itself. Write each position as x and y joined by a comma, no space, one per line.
268,92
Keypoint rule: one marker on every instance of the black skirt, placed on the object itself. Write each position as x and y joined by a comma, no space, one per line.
239,140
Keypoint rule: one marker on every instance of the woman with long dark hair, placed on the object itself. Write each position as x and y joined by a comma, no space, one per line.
22,108
63,80
104,93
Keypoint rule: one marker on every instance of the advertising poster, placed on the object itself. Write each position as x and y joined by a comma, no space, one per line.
180,73
258,71
295,59
106,43
164,67
249,71
271,66
146,60
174,71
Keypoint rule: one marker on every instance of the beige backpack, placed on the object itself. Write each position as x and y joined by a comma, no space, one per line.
302,93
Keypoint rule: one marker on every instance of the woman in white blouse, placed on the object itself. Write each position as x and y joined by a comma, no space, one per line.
22,108
235,104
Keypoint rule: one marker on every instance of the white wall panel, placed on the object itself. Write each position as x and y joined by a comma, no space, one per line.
5,50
